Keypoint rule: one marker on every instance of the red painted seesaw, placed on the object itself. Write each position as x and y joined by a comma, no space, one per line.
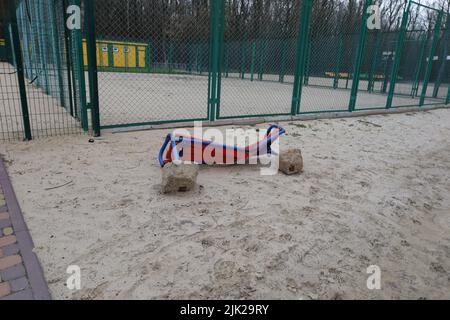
190,149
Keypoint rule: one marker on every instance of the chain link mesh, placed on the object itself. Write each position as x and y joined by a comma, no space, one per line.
51,89
173,61
172,42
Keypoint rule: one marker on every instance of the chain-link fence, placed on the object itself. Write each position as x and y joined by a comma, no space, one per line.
178,61
219,59
41,71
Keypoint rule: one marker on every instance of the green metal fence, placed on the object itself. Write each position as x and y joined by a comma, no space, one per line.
142,62
220,59
42,77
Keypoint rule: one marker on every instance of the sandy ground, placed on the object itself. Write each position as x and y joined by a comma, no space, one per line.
375,191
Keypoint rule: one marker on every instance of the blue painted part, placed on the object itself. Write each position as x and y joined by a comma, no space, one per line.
161,152
176,140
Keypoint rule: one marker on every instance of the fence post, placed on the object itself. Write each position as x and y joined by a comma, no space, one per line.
68,59
283,61
226,59
243,59
416,83
170,57
359,57
220,57
148,57
443,58
308,58
41,34
302,44
214,57
92,65
376,53
448,95
437,31
189,57
262,53
337,70
252,67
57,52
398,56
79,73
16,46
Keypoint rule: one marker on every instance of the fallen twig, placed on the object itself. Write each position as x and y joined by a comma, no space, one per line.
47,189
373,124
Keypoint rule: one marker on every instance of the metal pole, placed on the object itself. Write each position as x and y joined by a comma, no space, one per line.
148,57
302,43
437,32
20,75
376,53
171,57
337,70
283,62
308,59
42,47
262,53
360,57
92,66
443,58
57,52
78,65
215,37
397,57
68,59
448,95
243,58
252,67
221,51
416,83
227,59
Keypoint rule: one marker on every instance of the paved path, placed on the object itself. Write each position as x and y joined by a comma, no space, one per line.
21,276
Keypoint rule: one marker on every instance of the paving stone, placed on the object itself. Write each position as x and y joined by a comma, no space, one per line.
5,223
11,250
21,276
10,261
8,231
5,241
21,295
19,284
4,215
5,289
12,273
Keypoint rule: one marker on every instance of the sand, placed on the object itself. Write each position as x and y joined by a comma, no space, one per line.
375,191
